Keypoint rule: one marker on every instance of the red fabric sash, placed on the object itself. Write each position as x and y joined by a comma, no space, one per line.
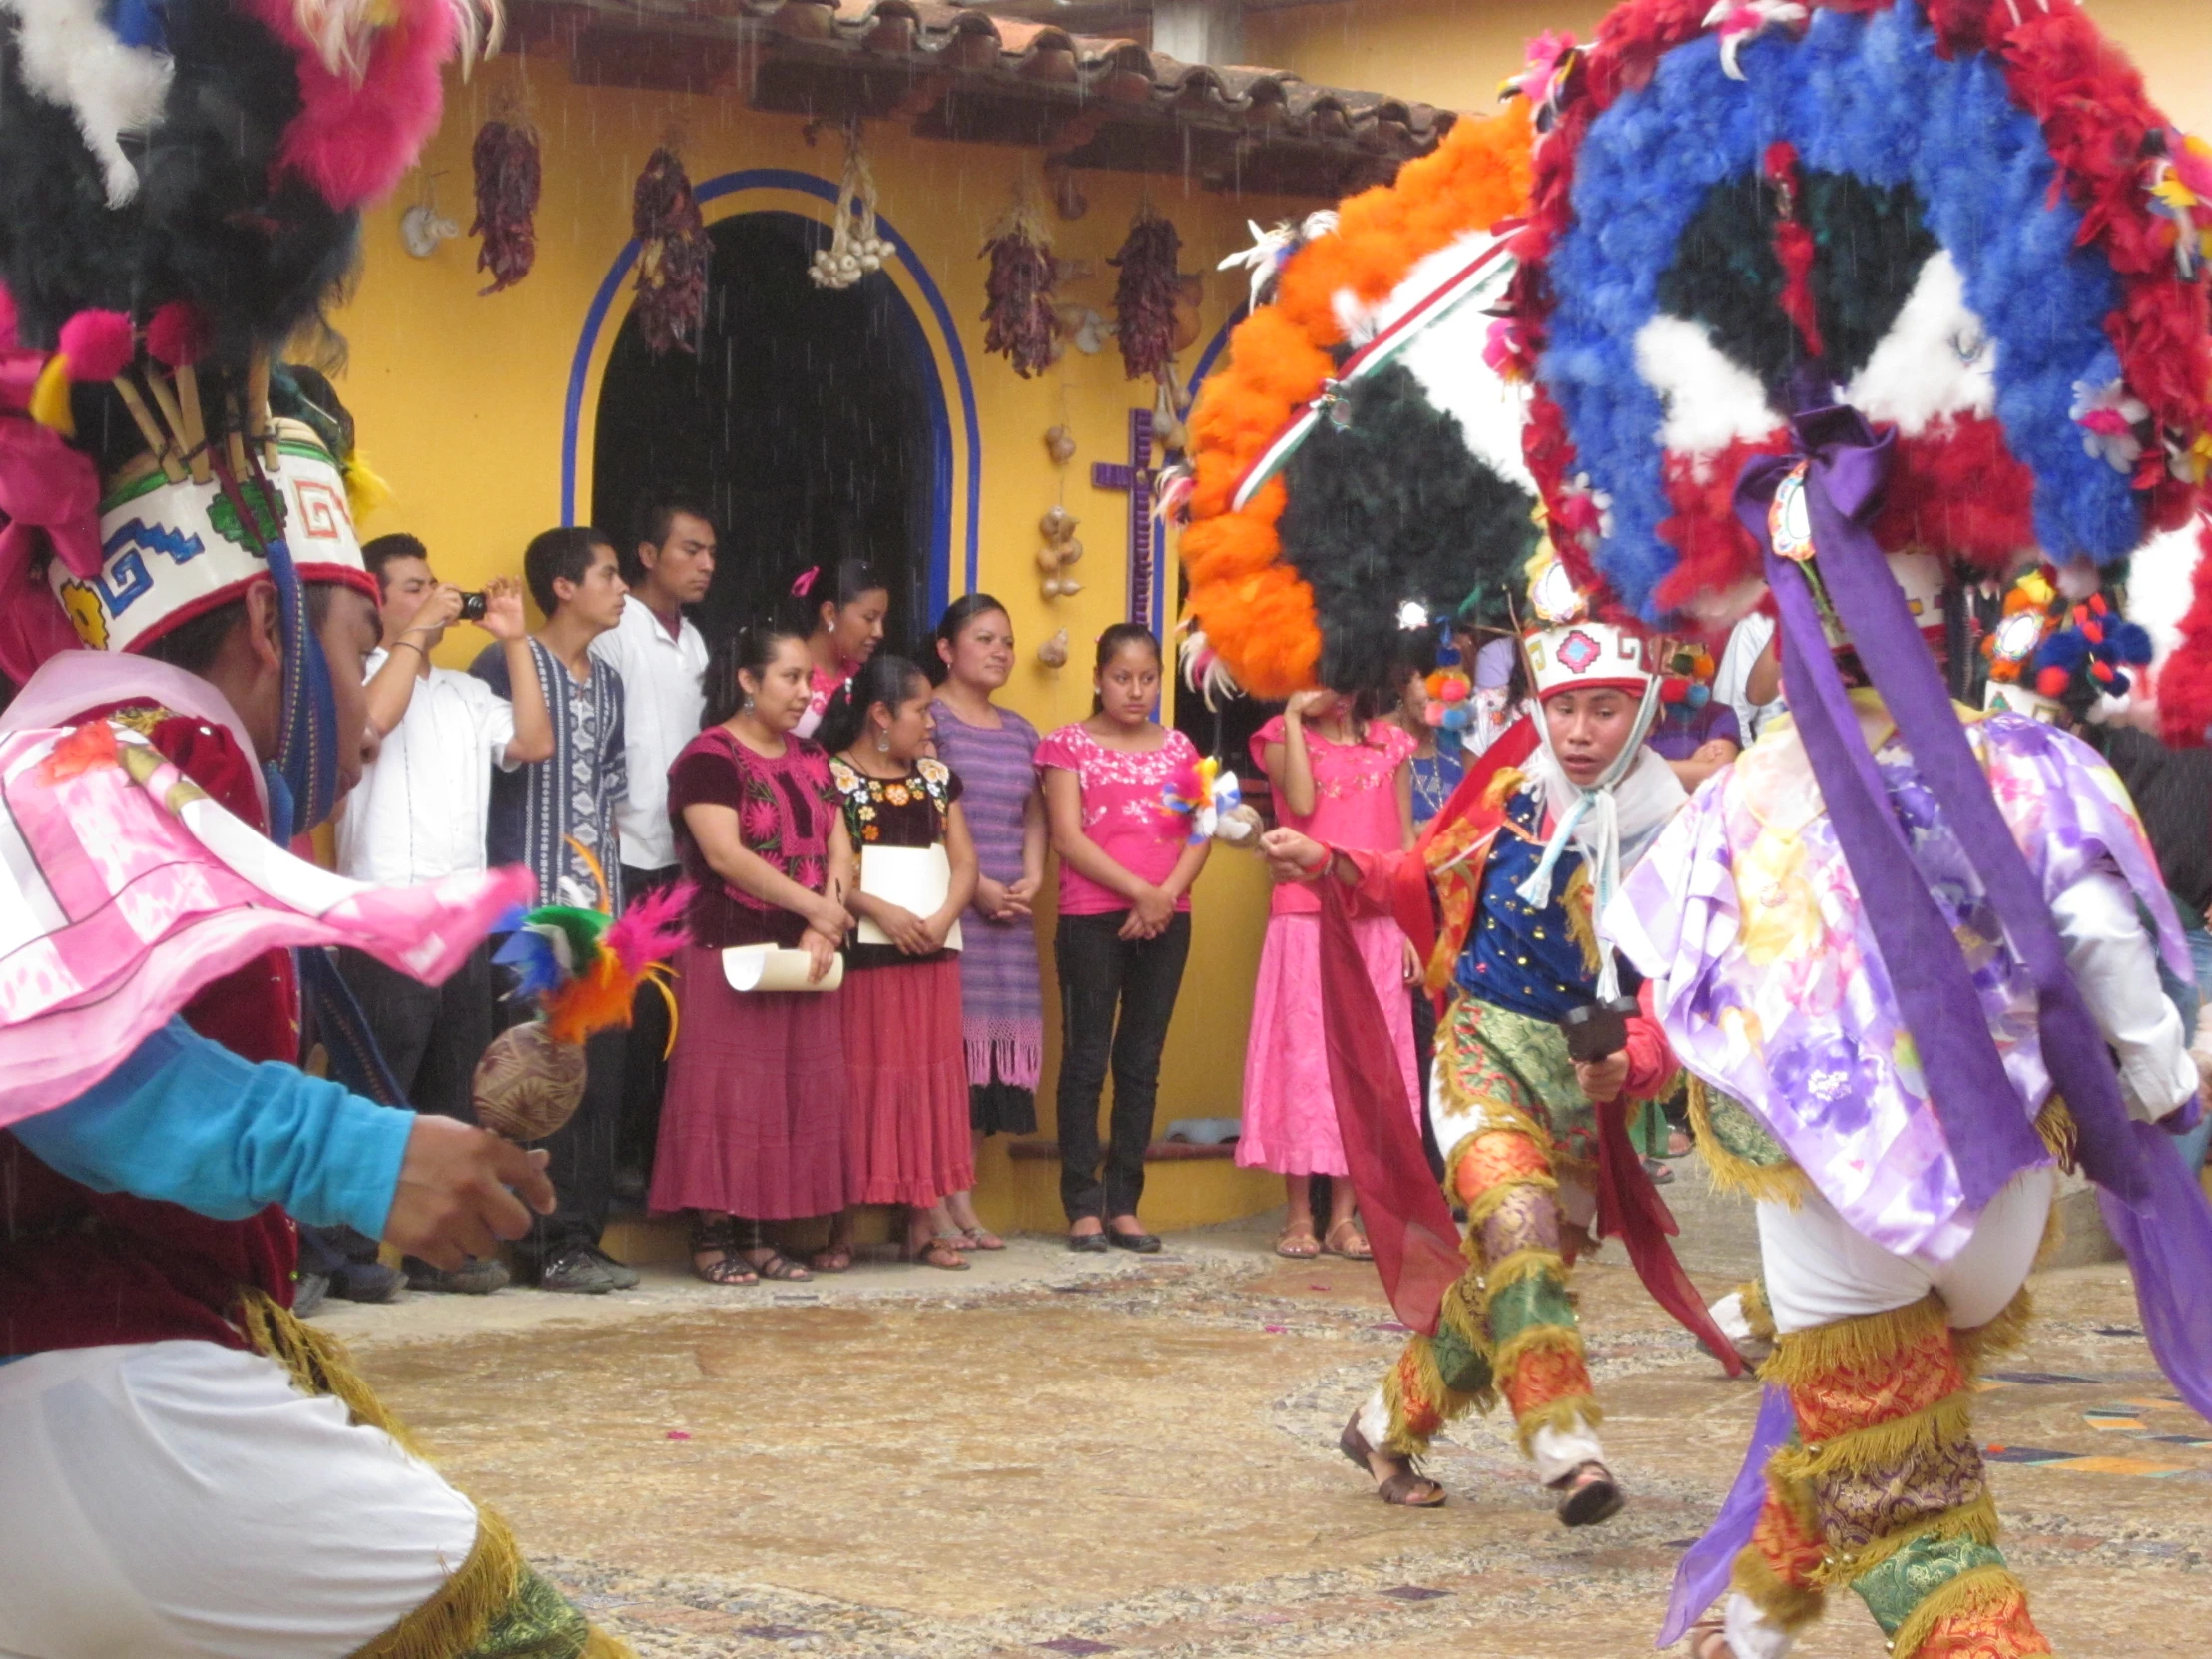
1630,1209
1408,1224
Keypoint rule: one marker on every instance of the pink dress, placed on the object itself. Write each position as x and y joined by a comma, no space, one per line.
1289,1115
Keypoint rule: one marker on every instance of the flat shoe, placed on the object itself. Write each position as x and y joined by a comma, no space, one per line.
1088,1244
1144,1243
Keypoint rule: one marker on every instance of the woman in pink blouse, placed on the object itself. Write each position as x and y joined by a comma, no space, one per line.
1126,870
1346,781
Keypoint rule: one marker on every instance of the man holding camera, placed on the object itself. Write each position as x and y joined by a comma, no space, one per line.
420,813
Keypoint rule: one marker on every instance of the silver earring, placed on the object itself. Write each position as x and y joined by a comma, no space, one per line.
747,707
882,742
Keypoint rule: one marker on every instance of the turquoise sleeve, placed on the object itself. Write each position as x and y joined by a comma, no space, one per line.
185,1121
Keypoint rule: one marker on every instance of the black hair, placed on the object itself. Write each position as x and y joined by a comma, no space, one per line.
561,555
958,616
884,678
841,583
195,645
1109,647
655,515
752,649
384,549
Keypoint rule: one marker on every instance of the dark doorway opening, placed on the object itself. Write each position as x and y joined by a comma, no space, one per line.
809,420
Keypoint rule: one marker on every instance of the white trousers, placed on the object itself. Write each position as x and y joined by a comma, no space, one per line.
1818,1270
180,1500
1556,1453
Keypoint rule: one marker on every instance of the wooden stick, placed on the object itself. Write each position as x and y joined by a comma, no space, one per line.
148,428
234,436
258,424
195,427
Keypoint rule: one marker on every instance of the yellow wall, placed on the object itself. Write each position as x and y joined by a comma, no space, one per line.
1454,52
459,401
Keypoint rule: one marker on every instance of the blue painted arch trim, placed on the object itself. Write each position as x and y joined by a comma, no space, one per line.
778,178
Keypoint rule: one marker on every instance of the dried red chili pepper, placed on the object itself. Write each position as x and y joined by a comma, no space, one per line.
1144,295
507,178
673,255
1018,292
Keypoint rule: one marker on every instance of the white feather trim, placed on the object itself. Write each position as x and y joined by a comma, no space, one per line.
2160,575
1710,401
72,59
1937,361
1446,359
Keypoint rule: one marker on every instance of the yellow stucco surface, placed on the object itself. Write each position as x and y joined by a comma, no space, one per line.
460,402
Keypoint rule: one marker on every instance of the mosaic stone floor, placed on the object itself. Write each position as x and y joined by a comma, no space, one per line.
1062,1455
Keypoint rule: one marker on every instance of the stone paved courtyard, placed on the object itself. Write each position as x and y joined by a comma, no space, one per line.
1058,1455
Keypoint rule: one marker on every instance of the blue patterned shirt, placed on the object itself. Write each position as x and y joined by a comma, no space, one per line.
538,810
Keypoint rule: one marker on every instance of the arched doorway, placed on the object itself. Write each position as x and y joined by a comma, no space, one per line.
810,419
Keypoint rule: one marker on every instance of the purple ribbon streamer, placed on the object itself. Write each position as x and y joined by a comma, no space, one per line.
2156,1213
1989,1138
1701,1576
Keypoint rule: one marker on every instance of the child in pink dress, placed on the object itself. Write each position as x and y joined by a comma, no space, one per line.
1347,781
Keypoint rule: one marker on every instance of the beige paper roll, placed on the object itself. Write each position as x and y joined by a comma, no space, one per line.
762,967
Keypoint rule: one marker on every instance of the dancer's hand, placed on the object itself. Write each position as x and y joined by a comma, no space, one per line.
1604,1080
1293,857
462,1190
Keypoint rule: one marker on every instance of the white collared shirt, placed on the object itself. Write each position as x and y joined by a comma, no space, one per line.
663,702
419,810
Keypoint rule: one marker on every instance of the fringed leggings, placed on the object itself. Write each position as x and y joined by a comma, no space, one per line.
1881,1488
1508,1325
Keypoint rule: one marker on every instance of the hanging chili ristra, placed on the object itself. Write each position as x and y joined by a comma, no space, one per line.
1018,292
1144,294
507,163
673,253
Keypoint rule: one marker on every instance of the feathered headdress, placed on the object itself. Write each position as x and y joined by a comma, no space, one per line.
1993,249
1355,463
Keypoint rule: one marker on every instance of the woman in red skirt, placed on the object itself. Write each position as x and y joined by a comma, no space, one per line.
905,1055
753,1124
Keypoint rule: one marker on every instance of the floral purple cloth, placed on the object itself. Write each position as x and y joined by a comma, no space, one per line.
1771,988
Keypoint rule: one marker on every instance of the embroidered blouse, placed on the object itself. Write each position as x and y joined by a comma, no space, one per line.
1124,810
785,806
894,812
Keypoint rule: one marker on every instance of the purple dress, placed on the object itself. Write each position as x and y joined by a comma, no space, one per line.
1001,1000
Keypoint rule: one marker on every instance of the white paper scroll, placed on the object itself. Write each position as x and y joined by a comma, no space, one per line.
762,967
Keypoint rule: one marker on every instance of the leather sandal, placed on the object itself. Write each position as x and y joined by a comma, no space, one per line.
1406,1489
1356,1251
1296,1243
1591,1495
727,1268
939,1250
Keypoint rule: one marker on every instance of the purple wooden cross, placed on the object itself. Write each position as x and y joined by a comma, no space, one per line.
1136,477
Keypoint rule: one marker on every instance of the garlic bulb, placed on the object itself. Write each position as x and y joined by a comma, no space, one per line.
1054,652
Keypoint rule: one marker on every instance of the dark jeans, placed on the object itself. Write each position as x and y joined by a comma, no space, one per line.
432,1036
1098,972
645,1065
582,1162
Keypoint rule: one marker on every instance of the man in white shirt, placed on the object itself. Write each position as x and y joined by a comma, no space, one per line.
662,658
418,814
1746,666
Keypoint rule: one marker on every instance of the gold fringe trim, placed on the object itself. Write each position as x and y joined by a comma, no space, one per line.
600,1645
1763,1184
318,1364
1885,1446
1751,1294
1583,917
2055,1236
1805,1356
1559,1339
1976,1520
1522,1264
2057,1125
1448,1403
1493,1199
2000,1335
452,1622
1976,1588
1563,1415
1789,1607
